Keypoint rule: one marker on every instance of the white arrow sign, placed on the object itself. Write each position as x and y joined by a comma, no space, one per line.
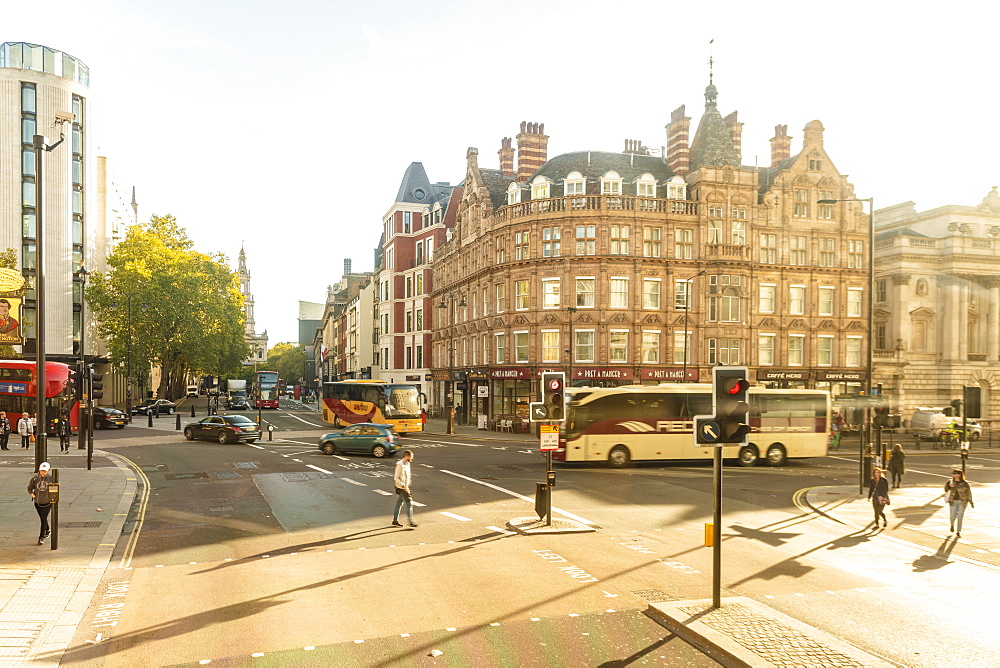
708,430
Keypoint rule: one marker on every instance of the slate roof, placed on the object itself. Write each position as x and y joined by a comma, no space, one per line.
415,182
496,183
712,145
593,165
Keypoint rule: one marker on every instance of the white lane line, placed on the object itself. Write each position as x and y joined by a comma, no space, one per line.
418,504
301,420
354,482
319,469
259,447
457,517
503,531
515,494
382,492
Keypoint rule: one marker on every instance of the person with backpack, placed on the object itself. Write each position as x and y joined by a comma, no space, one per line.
38,488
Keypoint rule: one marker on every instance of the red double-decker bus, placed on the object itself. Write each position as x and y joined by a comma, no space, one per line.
265,389
18,391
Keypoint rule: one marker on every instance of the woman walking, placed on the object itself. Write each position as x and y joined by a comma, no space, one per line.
38,487
896,468
24,430
878,494
957,494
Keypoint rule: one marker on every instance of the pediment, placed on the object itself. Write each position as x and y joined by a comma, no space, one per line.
586,317
798,323
768,322
521,320
882,313
549,318
651,319
619,317
922,313
856,324
802,180
827,325
679,320
498,323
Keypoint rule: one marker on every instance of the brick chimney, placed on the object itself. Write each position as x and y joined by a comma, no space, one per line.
678,146
532,149
506,154
781,145
736,132
635,146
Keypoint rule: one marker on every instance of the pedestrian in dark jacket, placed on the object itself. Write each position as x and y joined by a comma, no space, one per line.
878,494
38,488
4,431
958,495
63,429
896,467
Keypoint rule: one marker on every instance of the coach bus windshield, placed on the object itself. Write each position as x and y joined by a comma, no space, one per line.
402,401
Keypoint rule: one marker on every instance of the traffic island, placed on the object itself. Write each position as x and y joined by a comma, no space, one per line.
533,525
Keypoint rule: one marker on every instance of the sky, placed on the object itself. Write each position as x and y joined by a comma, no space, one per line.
285,127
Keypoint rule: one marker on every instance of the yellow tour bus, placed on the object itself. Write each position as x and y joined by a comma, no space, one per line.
349,402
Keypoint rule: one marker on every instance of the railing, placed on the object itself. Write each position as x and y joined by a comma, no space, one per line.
731,251
594,203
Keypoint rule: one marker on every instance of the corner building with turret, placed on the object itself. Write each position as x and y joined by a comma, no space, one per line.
634,268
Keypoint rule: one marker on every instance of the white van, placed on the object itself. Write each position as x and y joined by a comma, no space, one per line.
192,390
928,423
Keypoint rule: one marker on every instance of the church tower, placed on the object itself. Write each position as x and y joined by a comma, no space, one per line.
256,342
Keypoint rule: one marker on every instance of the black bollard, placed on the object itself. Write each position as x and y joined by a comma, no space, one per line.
192,410
150,416
177,426
270,432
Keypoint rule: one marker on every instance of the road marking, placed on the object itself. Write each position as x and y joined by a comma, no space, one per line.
259,447
319,469
140,515
418,504
354,482
301,420
457,517
382,492
503,531
297,460
519,496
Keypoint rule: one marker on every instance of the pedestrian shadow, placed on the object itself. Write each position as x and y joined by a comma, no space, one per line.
772,538
931,562
851,540
792,567
917,515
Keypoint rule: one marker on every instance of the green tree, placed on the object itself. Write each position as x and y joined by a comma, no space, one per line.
289,360
187,310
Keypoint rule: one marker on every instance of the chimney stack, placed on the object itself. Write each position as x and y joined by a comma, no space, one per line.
781,145
532,149
635,146
506,154
347,266
678,146
736,132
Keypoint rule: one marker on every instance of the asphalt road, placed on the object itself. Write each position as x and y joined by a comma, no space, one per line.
278,549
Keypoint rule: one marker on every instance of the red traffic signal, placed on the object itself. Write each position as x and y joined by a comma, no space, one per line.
730,389
553,394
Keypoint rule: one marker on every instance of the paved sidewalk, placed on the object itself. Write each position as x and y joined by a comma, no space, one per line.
43,592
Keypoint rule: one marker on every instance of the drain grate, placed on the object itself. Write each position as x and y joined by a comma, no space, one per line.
224,475
294,477
654,595
185,476
245,465
79,525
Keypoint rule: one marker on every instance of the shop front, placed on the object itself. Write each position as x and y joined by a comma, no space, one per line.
510,390
657,375
783,378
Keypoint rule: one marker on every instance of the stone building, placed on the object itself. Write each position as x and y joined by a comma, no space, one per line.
256,342
937,305
630,267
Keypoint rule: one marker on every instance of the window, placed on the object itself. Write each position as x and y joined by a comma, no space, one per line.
550,293
585,291
513,194
409,321
575,184
501,348
714,232
651,346
409,357
520,346
739,213
419,319
618,346
550,241
550,345
797,300
539,188
879,336
619,293
521,246
798,253
725,307
646,188
409,286
501,249
407,222
683,244
825,211
716,211
855,254
880,291
429,249
584,345
619,239
385,358
611,184
651,241
521,302
420,357
724,351
677,189
769,249
824,350
385,323
486,304
738,233
815,166
801,207
854,302
796,346
681,294
420,284
501,293
826,301
827,252
651,293
765,297
765,350
682,345
853,357
486,348
586,240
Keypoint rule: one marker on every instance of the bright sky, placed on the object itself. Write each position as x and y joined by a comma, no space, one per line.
286,126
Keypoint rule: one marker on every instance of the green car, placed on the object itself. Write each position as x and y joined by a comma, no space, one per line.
377,440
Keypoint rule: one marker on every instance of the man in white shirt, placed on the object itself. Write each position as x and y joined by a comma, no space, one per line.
401,478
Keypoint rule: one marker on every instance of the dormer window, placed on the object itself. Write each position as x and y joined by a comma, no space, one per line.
676,188
815,165
575,186
611,184
645,186
540,188
513,194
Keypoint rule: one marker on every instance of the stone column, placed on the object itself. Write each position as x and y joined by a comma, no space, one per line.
950,325
899,311
993,320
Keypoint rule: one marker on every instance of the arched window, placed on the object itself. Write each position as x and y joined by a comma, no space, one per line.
676,188
575,186
729,308
645,186
611,184
513,193
540,188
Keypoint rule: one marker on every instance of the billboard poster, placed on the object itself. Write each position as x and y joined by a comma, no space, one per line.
10,320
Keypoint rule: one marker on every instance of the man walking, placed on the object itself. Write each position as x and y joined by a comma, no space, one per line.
4,430
63,429
401,478
24,429
38,487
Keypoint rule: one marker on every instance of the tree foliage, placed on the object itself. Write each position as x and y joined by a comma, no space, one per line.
289,360
186,311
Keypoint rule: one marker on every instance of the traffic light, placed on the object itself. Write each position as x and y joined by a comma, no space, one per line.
956,407
881,416
554,395
730,387
74,382
96,385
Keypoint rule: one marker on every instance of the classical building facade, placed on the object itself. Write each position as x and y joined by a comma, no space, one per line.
937,305
256,342
624,268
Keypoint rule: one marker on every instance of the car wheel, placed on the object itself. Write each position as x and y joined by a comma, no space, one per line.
99,425
379,451
251,440
776,455
619,457
223,437
189,434
974,436
329,449
748,455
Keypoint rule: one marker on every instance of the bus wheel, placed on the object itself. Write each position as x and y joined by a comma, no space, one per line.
748,455
776,455
619,457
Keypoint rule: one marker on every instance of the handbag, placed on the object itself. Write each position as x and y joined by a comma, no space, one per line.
31,438
947,497
884,500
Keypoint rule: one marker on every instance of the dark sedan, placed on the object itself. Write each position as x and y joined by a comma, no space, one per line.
377,440
224,429
148,407
109,418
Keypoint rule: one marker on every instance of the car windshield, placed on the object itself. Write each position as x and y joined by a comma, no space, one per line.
238,419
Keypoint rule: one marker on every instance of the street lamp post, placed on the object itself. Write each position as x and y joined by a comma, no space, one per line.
450,390
687,309
871,330
86,413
